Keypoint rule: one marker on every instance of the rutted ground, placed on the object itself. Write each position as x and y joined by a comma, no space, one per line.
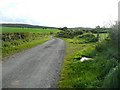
38,67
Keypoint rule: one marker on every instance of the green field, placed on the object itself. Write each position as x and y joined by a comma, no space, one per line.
102,36
38,30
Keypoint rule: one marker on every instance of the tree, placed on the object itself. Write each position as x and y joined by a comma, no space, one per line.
98,28
64,28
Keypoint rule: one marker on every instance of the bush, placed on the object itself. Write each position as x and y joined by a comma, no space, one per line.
108,65
112,80
115,37
86,38
114,34
69,33
16,36
86,35
101,46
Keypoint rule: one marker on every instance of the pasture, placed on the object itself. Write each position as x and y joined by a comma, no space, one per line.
35,30
102,36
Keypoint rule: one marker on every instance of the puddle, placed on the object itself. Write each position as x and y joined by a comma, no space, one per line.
85,59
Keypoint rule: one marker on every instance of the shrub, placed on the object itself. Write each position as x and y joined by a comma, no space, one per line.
86,38
101,46
112,80
115,37
108,65
16,36
69,33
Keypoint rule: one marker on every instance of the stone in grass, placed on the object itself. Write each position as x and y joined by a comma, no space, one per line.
84,59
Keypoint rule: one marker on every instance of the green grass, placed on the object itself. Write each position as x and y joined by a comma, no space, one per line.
102,36
19,45
74,73
87,74
40,30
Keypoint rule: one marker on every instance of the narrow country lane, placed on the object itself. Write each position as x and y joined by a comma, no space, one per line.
38,67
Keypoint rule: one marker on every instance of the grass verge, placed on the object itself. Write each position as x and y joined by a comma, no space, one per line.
21,45
73,73
87,74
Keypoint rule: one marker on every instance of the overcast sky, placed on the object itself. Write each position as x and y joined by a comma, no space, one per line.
60,13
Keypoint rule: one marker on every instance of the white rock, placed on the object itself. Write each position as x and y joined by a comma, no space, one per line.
84,59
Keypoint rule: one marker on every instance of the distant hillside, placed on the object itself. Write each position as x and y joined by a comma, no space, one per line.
26,26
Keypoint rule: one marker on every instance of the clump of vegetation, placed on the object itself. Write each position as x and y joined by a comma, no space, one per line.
112,80
69,33
86,38
17,36
100,30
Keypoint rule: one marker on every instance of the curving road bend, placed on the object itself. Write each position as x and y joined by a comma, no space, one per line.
38,67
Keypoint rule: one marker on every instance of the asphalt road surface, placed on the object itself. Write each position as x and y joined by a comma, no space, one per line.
38,67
